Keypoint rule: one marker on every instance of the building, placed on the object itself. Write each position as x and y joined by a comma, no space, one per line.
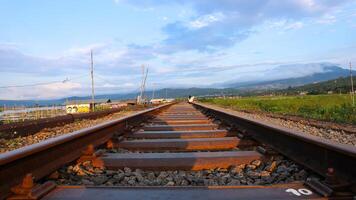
84,106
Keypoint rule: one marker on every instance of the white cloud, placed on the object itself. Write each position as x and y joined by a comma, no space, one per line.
206,20
123,86
49,91
165,69
75,51
285,25
326,19
310,4
57,90
294,26
120,63
58,87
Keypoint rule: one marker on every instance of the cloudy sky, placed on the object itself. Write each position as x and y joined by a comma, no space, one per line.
45,45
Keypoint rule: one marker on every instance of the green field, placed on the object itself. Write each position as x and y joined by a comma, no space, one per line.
336,108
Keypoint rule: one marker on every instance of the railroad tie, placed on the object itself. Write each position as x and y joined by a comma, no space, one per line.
196,144
175,122
176,161
179,134
188,140
177,118
181,127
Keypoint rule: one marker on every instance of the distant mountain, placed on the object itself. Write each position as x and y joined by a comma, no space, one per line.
328,72
313,73
62,101
179,92
339,85
162,93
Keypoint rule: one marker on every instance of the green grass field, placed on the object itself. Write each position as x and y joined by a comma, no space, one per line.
336,108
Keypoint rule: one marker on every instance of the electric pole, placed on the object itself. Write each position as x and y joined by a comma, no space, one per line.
352,86
142,82
153,91
92,80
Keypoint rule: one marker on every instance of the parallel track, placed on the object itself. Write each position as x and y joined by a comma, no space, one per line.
180,137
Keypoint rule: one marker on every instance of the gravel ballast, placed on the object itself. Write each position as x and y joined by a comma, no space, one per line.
276,170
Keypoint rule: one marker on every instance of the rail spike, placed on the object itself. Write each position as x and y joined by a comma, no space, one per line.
331,186
29,190
89,154
110,144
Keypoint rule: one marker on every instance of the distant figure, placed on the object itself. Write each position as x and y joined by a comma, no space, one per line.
190,99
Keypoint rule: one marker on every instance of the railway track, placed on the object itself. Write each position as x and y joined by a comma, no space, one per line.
193,140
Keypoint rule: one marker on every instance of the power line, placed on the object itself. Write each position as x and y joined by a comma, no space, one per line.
43,83
31,85
102,78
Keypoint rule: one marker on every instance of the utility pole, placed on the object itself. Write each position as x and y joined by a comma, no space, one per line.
153,91
352,86
141,88
92,80
144,83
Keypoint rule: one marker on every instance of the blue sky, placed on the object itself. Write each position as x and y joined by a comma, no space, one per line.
183,42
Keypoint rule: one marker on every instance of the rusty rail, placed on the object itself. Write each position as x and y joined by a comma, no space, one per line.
315,153
32,126
45,157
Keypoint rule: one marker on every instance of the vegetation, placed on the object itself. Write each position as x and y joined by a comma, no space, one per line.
336,108
340,85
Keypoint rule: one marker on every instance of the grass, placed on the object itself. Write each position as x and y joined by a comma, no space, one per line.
335,108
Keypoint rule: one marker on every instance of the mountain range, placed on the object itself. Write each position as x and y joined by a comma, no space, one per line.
321,72
328,72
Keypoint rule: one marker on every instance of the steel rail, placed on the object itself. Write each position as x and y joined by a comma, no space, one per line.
32,126
313,152
45,157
